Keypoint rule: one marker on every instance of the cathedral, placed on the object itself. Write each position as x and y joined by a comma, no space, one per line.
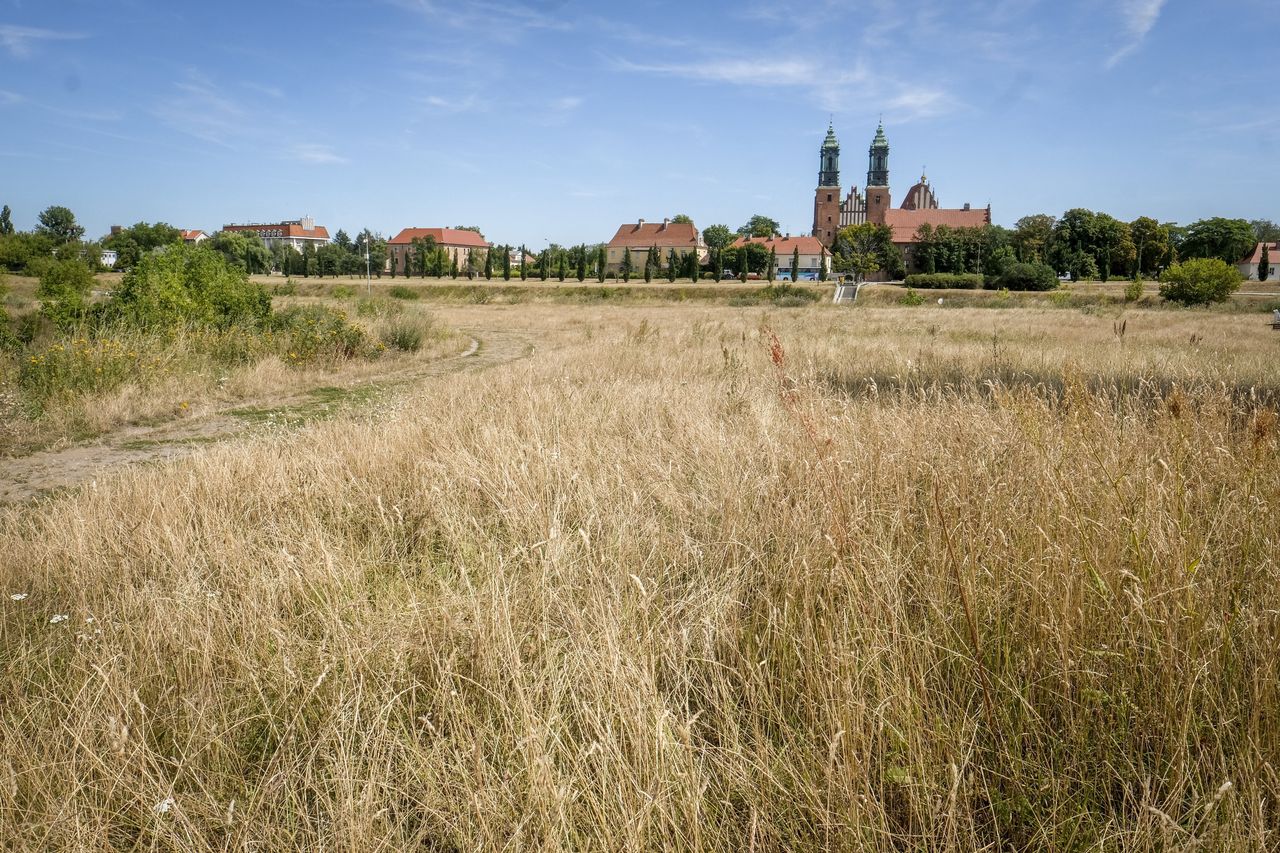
833,211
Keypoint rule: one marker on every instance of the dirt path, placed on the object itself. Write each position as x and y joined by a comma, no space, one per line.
25,477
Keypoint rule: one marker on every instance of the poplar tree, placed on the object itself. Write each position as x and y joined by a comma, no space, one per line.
6,221
795,264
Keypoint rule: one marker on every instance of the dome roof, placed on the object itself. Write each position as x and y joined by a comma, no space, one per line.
831,141
881,141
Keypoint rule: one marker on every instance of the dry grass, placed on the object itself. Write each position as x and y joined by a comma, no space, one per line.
87,383
662,587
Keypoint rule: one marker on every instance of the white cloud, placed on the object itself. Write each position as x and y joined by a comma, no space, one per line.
1140,17
316,154
18,40
201,109
468,104
566,104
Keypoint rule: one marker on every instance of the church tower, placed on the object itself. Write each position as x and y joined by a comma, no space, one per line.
878,178
826,201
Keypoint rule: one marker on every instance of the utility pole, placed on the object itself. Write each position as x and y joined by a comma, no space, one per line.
368,272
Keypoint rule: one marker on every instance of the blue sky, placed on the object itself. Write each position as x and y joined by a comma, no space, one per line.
555,120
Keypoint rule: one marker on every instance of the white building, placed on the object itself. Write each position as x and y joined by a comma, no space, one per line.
294,233
108,258
1249,266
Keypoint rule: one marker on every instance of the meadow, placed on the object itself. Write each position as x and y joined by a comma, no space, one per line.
693,576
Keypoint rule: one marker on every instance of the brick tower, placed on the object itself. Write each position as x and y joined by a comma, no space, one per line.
826,200
878,178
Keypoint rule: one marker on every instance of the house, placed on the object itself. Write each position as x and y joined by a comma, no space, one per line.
459,243
108,258
1249,266
294,233
642,236
814,257
194,237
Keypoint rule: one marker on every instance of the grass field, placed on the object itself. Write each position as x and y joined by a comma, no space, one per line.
693,577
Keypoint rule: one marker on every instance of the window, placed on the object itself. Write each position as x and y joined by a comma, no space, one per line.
828,196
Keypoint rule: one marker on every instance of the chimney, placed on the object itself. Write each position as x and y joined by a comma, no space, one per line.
665,222
116,229
639,224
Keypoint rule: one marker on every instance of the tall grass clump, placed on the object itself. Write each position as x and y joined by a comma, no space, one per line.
678,590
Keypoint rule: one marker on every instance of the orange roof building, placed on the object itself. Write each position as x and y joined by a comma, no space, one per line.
459,243
642,236
814,256
294,233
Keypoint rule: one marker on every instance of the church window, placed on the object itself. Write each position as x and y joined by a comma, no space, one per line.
828,196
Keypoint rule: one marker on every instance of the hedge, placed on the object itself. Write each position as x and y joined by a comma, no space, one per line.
950,281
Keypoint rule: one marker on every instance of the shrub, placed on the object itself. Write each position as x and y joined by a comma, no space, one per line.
399,291
937,280
288,288
786,295
1133,290
343,292
64,292
378,308
1200,281
1028,277
308,333
190,284
911,298
408,334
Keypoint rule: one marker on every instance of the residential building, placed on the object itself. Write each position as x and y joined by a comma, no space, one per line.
194,237
642,236
294,233
814,257
108,258
1249,266
458,242
919,207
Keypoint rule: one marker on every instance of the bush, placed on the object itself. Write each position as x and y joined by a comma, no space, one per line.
911,298
788,295
1028,277
1200,281
64,292
939,280
399,291
311,332
1133,290
343,292
378,307
190,285
408,334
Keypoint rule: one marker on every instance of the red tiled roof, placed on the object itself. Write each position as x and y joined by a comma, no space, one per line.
287,229
785,245
674,235
188,236
905,223
1256,257
442,236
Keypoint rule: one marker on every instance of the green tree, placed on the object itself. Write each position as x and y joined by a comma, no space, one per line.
772,269
602,261
1153,249
626,264
1264,230
795,264
342,240
506,263
393,264
64,292
1030,236
1264,263
759,226
1228,240
717,236
582,263
681,219
6,222
1200,281
244,249
524,264
672,265
1115,250
59,225
856,246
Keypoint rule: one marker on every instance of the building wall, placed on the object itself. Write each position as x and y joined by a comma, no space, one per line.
878,202
613,255
826,214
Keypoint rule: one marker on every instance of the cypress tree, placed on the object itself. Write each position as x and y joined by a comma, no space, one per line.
564,266
393,264
626,264
648,268
795,264
1264,263
582,263
694,268
773,263
488,264
602,262
453,267
671,265
524,267
506,263
822,264
742,263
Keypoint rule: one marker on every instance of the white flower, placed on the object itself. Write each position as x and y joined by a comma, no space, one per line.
59,617
18,596
163,806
